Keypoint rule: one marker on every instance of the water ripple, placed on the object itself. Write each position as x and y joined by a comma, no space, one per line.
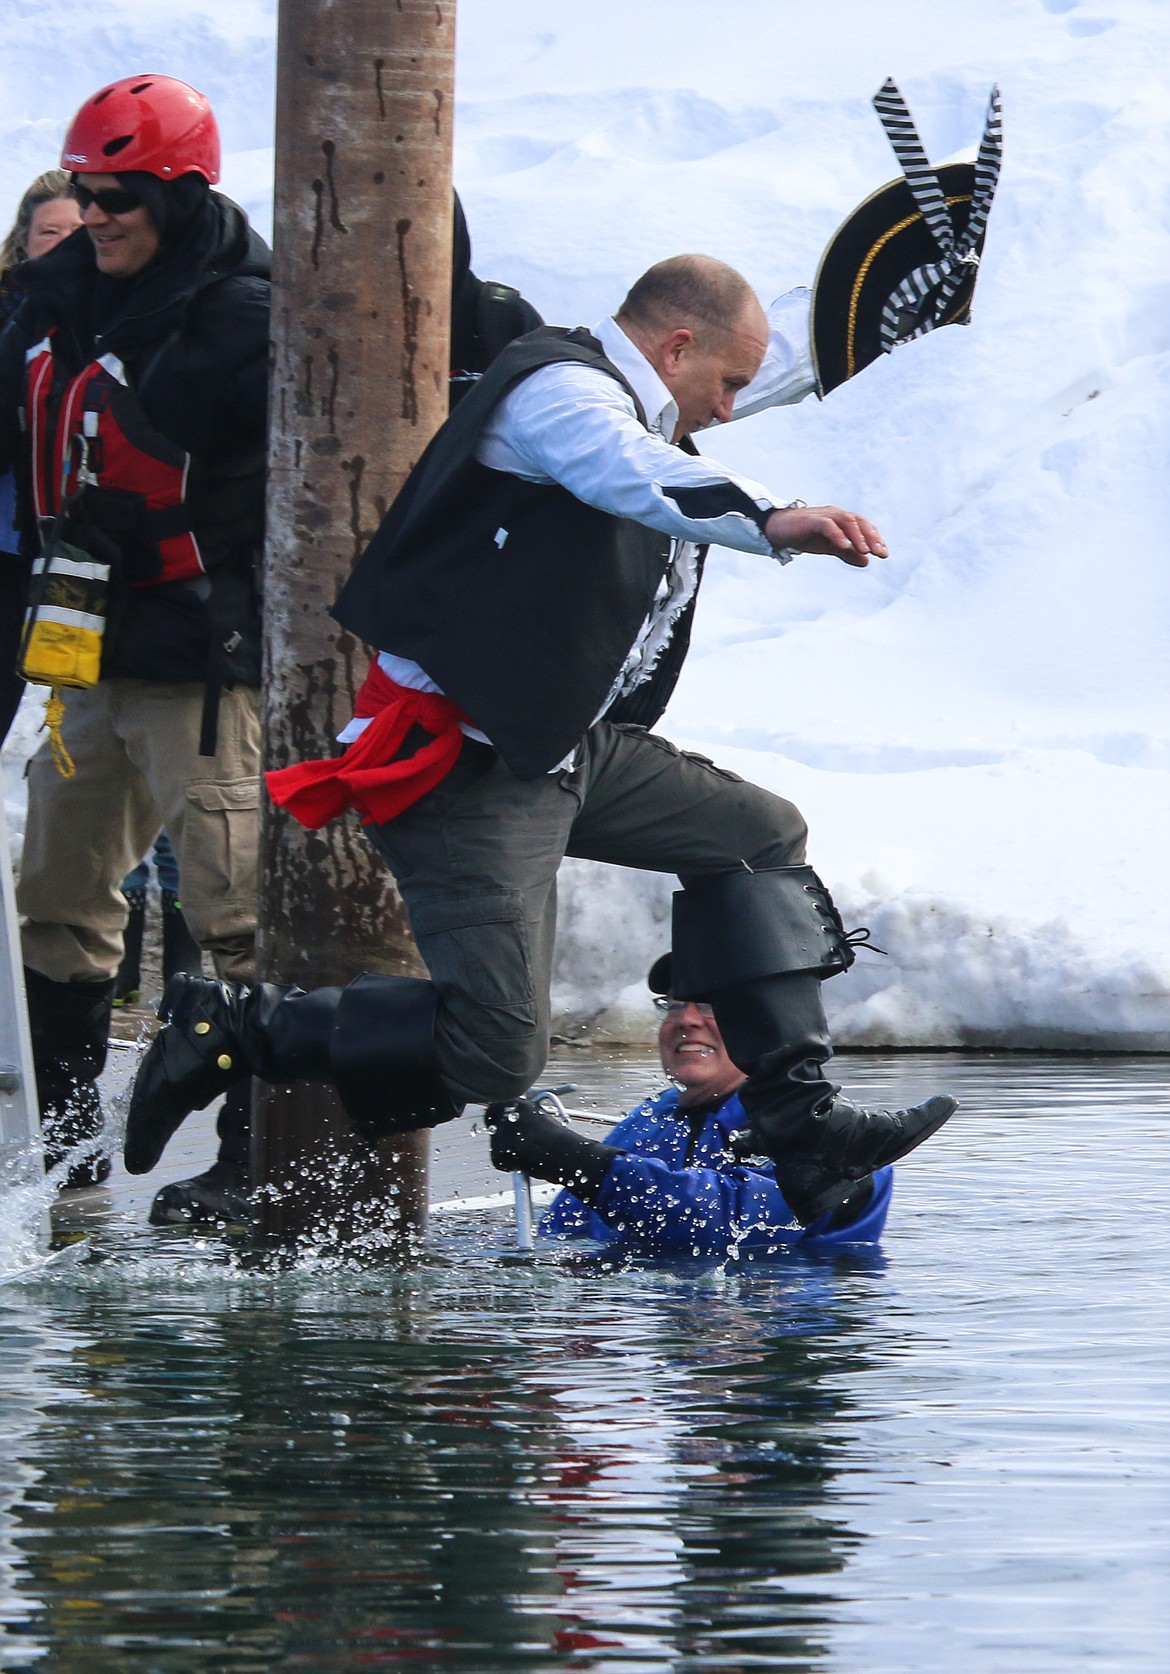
479,1462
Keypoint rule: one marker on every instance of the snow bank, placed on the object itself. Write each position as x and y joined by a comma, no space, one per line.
978,729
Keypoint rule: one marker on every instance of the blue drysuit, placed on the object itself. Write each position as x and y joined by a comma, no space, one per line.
678,1193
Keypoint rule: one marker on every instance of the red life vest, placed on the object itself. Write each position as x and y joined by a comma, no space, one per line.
89,433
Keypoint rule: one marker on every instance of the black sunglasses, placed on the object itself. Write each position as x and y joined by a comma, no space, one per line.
112,200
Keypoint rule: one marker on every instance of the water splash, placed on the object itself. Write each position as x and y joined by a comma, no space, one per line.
26,1193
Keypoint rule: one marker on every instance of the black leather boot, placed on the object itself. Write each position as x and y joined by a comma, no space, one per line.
383,1061
371,1039
820,1142
69,1023
180,950
220,1195
756,946
128,982
217,1035
817,1177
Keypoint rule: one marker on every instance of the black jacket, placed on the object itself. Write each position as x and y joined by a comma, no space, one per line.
520,601
192,330
485,316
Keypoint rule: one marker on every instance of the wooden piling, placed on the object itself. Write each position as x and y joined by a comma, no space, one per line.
361,323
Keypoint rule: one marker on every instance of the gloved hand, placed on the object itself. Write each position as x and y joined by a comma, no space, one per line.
526,1140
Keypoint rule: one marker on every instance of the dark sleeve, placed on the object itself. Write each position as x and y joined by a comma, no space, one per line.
12,347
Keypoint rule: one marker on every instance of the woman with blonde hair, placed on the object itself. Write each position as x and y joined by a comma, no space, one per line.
47,213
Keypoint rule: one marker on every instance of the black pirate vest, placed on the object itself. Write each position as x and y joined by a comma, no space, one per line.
519,600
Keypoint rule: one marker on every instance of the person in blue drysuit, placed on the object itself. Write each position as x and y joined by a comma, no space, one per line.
675,1177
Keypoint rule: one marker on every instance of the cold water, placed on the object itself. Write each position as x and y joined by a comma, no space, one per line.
952,1454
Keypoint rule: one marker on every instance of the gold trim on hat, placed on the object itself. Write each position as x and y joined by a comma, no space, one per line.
863,272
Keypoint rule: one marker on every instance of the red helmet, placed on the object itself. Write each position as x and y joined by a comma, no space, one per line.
149,124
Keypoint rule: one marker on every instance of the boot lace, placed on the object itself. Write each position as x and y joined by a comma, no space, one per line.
845,943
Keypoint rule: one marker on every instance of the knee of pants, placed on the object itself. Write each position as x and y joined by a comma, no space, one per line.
763,832
489,1071
783,842
491,1030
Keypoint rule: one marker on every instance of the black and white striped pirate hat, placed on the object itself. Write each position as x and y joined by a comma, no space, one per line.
907,258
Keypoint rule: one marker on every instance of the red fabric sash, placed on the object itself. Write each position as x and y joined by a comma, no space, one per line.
367,777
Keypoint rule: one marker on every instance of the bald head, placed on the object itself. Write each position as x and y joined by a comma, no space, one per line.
700,325
687,290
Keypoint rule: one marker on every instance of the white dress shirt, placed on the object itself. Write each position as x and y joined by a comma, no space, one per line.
575,425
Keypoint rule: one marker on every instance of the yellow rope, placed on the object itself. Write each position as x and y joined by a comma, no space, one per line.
54,715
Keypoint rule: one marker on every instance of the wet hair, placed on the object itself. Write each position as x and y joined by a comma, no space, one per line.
687,290
46,188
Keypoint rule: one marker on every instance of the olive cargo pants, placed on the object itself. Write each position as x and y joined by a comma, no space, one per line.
476,863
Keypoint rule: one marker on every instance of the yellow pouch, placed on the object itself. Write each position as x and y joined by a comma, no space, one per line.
63,629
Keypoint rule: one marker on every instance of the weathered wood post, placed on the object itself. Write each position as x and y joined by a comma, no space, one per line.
361,319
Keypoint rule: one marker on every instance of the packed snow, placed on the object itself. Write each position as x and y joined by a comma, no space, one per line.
977,729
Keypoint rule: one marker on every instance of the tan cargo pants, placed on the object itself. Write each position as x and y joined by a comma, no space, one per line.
135,745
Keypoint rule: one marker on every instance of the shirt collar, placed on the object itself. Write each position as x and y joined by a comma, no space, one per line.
657,402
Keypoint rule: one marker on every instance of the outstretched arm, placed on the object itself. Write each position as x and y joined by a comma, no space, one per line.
577,426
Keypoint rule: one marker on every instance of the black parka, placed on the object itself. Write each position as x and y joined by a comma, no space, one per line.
192,331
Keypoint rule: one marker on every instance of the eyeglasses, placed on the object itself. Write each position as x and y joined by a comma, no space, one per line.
675,1008
111,200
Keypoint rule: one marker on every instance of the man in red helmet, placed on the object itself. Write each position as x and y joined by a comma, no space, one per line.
133,395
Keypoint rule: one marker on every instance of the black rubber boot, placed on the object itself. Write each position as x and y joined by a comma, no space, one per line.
128,982
220,1195
69,1023
756,946
180,950
371,1039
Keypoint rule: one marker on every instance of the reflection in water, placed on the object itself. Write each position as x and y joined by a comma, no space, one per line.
481,1464
486,1463
694,1468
